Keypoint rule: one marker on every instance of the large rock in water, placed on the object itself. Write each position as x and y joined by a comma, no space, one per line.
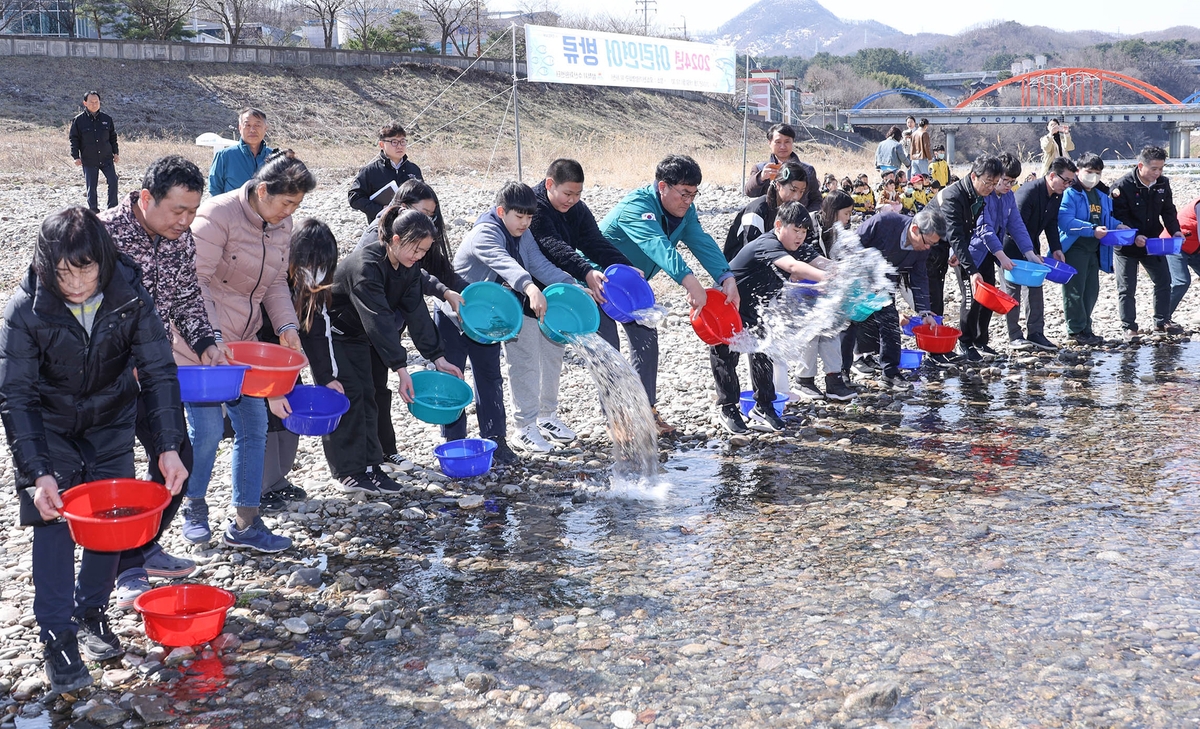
874,699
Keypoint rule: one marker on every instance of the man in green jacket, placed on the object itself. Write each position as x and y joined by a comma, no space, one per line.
646,226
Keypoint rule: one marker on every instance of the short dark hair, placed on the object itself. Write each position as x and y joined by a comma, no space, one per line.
284,174
563,170
894,133
794,213
942,147
1059,165
923,123
252,111
1091,161
77,236
929,220
517,197
1151,153
1055,120
91,93
935,185
172,171
678,169
986,165
391,129
785,129
1011,165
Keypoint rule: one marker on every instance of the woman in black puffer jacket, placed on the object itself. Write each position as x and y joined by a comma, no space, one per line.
81,342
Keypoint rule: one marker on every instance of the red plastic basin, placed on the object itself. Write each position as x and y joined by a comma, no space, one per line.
114,515
273,368
936,339
179,615
993,298
717,321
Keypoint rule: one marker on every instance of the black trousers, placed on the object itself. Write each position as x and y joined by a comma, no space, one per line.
383,405
936,265
724,363
489,382
91,180
974,318
643,351
354,446
132,558
880,332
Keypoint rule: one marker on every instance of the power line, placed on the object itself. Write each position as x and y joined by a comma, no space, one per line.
645,5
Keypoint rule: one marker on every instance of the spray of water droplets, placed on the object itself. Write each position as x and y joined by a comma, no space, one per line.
801,313
651,316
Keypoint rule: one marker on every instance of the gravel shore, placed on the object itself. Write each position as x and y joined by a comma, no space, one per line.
976,553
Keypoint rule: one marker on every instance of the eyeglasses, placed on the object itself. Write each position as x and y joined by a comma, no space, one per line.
1005,182
396,142
687,196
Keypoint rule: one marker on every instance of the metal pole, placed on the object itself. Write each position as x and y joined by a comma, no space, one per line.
516,106
745,117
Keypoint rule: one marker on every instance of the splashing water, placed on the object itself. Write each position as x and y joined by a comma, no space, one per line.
627,410
650,317
796,317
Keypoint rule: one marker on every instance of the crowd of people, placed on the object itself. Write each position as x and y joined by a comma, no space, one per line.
114,301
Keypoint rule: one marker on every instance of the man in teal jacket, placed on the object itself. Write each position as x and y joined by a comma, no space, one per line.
646,226
233,166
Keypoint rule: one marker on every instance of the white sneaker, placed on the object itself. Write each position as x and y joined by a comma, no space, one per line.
555,429
530,440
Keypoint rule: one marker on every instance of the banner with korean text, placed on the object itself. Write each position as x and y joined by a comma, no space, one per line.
568,56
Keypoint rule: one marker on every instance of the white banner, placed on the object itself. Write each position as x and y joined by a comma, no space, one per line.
568,56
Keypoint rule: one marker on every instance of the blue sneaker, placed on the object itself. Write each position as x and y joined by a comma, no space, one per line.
256,537
160,564
195,521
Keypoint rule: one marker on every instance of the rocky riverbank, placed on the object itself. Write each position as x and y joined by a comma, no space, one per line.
1007,546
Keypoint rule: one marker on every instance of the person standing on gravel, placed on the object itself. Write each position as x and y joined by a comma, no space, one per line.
153,227
390,169
233,166
80,302
1181,279
1142,199
1084,217
646,226
922,148
1038,203
93,138
782,141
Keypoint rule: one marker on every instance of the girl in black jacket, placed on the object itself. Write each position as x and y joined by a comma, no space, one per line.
81,343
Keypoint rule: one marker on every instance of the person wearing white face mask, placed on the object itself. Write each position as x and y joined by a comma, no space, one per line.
1084,217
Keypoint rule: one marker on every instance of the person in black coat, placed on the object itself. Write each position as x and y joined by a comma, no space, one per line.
782,139
392,166
369,287
93,138
81,344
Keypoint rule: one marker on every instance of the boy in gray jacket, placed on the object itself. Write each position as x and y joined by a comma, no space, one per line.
500,248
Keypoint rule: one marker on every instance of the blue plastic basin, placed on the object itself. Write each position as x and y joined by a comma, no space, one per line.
465,458
910,359
569,312
211,383
490,313
625,292
1060,273
1123,237
1027,273
916,321
438,398
746,401
316,410
1164,246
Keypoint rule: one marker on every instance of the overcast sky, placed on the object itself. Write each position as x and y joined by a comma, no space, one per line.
952,16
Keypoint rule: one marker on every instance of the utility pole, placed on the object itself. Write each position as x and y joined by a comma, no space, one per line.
516,106
682,28
645,5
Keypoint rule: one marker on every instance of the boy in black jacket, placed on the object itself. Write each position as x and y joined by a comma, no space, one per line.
74,333
391,166
94,147
1142,200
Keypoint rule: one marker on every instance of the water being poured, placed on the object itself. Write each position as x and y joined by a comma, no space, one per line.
627,410
857,281
651,316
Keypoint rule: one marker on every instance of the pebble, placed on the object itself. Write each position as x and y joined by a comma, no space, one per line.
874,699
470,502
297,626
623,719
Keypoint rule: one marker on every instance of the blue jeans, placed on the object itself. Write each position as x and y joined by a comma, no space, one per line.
920,167
1180,276
206,427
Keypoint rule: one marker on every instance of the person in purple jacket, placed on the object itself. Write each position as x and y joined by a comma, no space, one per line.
1000,218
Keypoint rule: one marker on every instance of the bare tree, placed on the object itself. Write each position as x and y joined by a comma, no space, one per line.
12,12
231,14
155,19
286,16
326,11
449,16
361,16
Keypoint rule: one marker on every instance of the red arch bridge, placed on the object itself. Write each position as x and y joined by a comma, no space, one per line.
1074,95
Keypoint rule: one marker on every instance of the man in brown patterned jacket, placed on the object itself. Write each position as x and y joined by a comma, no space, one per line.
153,227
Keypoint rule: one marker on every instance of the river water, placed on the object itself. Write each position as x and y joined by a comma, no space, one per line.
1021,552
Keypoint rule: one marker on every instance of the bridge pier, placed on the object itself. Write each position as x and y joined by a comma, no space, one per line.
950,132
